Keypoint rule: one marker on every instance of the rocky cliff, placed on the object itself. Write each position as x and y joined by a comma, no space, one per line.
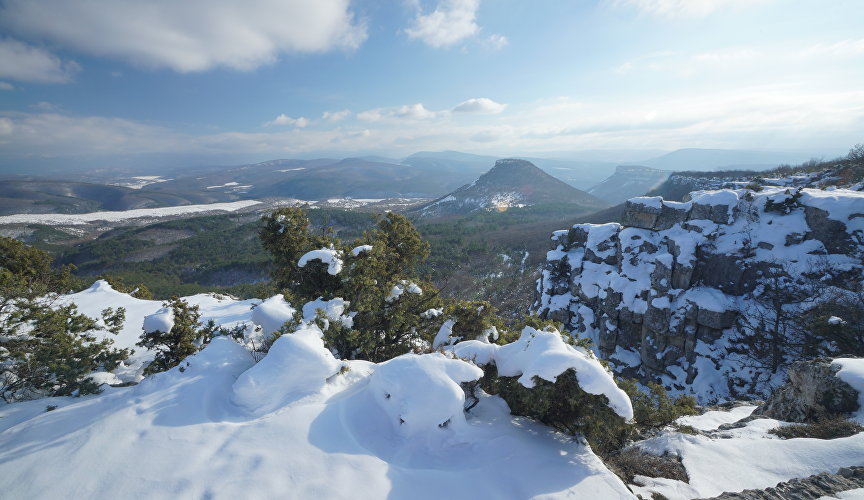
705,295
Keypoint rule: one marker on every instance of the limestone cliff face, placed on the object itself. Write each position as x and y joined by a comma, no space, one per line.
663,295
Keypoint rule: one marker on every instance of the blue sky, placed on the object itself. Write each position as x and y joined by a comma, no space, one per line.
294,78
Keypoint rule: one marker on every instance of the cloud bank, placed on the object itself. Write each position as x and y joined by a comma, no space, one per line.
185,36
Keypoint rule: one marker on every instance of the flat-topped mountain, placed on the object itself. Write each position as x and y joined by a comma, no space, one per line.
627,182
510,183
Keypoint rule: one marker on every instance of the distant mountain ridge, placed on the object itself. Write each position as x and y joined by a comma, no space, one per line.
629,181
509,183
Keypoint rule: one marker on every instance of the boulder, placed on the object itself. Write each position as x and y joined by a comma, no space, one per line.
813,392
642,212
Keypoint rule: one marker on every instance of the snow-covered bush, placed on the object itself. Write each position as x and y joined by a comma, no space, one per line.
376,276
174,332
297,364
422,393
543,377
46,349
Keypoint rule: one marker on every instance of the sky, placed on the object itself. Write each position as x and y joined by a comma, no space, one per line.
97,80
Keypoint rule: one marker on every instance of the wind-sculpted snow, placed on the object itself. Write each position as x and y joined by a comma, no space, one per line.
545,355
272,313
298,424
439,404
297,364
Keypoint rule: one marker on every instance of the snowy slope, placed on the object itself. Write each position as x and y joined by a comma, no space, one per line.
298,424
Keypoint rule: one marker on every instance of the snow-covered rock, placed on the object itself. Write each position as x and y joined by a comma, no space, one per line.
661,295
544,354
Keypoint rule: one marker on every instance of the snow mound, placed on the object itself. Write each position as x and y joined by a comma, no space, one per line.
328,256
297,365
160,321
544,354
421,393
271,314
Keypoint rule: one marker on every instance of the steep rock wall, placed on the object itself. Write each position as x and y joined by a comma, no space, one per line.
663,294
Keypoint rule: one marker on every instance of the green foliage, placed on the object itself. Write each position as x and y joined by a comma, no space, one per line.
286,235
563,405
382,326
475,319
826,428
46,349
836,338
186,337
655,408
139,291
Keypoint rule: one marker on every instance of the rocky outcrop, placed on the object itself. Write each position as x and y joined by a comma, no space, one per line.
808,488
662,295
813,392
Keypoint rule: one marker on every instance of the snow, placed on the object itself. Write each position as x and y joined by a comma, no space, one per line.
298,424
328,256
297,365
362,248
333,310
444,333
439,405
271,314
402,287
750,458
80,219
648,201
544,354
711,420
160,321
834,320
852,372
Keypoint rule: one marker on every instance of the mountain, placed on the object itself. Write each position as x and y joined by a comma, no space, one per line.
627,182
44,196
714,159
510,183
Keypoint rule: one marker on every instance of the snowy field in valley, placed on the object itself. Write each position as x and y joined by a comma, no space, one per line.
80,219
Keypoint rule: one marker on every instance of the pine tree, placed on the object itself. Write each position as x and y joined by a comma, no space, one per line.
47,349
186,337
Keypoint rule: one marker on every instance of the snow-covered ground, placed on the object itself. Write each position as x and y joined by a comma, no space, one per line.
298,424
301,424
79,219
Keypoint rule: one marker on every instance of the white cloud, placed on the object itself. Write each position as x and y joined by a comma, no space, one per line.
6,86
844,48
400,113
335,116
480,105
451,22
496,41
685,8
23,62
283,120
188,35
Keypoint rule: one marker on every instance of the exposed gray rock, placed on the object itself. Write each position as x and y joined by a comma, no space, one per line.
813,392
638,214
809,488
830,232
